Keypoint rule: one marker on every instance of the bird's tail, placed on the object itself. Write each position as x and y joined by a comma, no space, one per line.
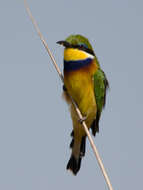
78,151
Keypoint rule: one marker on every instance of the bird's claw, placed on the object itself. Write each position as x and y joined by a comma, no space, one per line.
82,119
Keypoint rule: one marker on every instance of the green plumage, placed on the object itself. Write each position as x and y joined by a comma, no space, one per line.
78,39
100,87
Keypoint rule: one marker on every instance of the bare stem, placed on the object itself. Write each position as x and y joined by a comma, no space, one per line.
73,102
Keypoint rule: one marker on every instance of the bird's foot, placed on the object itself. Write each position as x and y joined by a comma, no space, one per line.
82,119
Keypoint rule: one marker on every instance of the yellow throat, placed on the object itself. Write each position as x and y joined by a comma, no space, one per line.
72,54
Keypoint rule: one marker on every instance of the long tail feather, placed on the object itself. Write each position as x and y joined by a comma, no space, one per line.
75,159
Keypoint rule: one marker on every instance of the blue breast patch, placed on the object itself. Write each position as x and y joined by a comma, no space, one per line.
75,65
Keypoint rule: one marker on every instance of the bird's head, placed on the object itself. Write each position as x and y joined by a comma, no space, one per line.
77,47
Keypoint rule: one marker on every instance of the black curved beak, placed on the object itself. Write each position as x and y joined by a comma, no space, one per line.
64,43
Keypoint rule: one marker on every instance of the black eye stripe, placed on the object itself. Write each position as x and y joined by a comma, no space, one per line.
86,49
80,47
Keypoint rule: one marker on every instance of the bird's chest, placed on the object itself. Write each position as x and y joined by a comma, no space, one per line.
80,86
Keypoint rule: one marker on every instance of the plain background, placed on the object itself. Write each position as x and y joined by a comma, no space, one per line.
35,123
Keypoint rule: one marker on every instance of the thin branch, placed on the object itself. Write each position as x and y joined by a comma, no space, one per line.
76,107
42,39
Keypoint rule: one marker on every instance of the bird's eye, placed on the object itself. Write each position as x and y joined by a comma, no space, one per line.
83,45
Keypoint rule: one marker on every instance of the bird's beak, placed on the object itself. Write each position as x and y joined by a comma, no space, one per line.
64,43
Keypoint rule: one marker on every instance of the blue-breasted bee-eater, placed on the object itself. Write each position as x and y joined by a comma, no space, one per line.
87,84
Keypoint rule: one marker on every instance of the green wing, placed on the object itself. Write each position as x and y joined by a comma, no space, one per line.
100,88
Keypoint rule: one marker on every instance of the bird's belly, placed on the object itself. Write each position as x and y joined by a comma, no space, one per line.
80,87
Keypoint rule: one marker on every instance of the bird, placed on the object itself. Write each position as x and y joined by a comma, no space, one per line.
87,84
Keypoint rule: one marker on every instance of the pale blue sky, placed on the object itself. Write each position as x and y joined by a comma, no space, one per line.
35,124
